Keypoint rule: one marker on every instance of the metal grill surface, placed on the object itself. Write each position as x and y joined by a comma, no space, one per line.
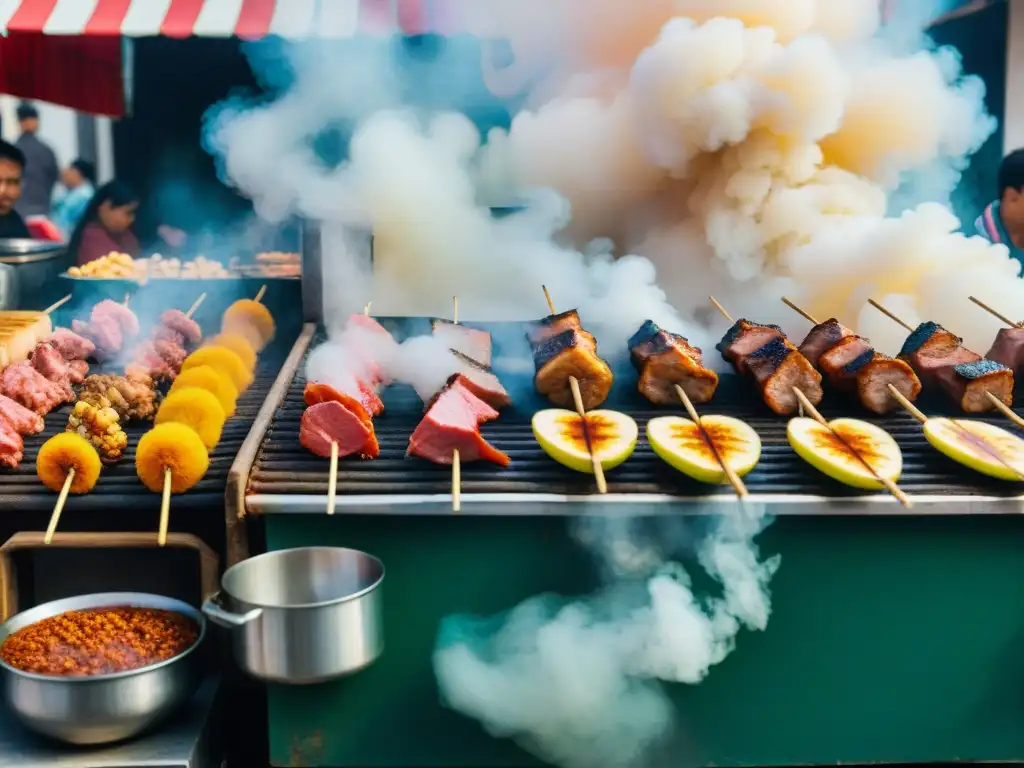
283,467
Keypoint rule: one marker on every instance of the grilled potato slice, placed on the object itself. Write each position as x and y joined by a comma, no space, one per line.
559,432
680,443
829,450
990,450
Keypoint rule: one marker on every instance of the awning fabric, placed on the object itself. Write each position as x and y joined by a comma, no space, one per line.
248,19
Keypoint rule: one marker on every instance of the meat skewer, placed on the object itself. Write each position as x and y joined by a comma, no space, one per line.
851,364
776,365
456,463
734,480
1006,349
577,399
939,358
663,359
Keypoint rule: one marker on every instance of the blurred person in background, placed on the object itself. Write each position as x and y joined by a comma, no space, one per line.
1003,220
79,181
12,168
41,168
105,226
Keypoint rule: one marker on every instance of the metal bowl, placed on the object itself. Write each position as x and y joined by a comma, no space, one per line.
105,708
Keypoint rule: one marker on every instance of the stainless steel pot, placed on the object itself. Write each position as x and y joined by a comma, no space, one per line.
36,264
303,615
108,708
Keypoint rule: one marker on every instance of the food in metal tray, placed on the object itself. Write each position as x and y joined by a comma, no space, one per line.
99,641
853,452
611,435
697,451
113,266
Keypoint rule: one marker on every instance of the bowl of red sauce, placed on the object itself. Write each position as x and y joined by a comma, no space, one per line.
100,668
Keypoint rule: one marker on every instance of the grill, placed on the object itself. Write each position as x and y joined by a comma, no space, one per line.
286,478
119,486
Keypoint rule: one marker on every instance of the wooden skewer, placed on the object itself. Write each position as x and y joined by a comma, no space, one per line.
890,486
127,298
259,293
195,305
994,312
889,314
1004,409
332,480
721,309
799,311
366,309
456,460
577,399
734,480
59,506
165,508
57,305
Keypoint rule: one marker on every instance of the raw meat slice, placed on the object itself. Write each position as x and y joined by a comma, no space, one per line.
322,393
453,423
330,422
71,345
11,446
24,421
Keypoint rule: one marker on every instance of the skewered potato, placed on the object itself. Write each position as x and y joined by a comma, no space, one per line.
102,428
173,447
252,320
62,453
221,359
195,408
237,344
208,378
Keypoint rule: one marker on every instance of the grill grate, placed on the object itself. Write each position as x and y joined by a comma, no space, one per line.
119,486
283,467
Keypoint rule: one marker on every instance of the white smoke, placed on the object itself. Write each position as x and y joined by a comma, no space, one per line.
578,682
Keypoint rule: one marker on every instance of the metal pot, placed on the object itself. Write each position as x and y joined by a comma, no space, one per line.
303,615
36,265
107,708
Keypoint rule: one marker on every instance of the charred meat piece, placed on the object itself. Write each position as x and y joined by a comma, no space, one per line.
566,354
453,423
70,345
966,384
743,338
131,395
179,322
930,347
20,418
778,368
481,381
12,447
664,359
553,325
49,362
822,338
1008,349
470,342
25,385
125,319
172,354
329,422
322,393
79,370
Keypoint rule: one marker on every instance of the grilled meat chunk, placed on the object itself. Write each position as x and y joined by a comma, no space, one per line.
743,338
12,447
566,354
470,342
553,325
24,384
20,418
665,359
179,322
131,395
778,367
49,362
453,423
70,345
118,313
822,338
1008,349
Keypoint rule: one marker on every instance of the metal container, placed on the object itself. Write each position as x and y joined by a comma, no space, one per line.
303,615
36,265
107,708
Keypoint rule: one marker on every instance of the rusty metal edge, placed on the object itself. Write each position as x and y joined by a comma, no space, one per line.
237,543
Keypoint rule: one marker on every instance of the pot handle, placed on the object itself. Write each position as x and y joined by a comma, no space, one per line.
218,615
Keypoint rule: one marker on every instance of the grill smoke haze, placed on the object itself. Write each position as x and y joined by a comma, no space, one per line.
667,149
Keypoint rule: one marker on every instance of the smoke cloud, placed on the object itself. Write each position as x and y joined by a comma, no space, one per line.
666,150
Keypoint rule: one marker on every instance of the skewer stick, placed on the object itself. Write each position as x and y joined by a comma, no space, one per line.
127,298
1004,409
577,398
721,309
57,304
456,460
195,305
890,486
332,479
889,314
994,312
165,508
730,474
259,293
799,311
366,309
551,304
921,417
59,506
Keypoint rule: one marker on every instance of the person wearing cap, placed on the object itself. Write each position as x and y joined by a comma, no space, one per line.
79,181
12,167
1003,220
41,170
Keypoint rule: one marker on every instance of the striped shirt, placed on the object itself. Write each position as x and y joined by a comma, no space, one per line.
990,226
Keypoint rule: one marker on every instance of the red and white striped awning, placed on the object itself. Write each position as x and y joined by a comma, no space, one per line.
249,19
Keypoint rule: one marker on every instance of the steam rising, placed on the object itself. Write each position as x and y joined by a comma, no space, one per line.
670,149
